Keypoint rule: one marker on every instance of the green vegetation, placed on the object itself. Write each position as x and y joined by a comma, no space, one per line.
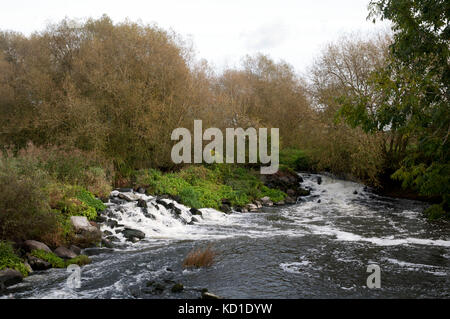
51,258
295,159
8,259
200,186
80,260
58,262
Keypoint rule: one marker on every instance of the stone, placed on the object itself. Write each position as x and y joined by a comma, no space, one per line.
141,190
142,203
195,211
129,197
64,253
81,223
9,277
319,180
280,203
251,207
177,288
36,245
130,233
37,263
75,249
290,200
208,295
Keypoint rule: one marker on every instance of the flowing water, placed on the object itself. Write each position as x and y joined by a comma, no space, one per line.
318,248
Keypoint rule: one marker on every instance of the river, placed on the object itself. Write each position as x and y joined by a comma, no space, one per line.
318,248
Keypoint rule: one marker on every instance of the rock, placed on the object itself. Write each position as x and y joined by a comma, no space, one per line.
9,277
75,249
355,192
36,245
101,219
142,203
266,201
106,243
225,208
258,204
141,190
112,223
319,180
290,192
114,193
37,263
195,220
129,197
290,200
85,234
107,233
319,201
177,288
208,295
81,223
129,233
94,224
195,211
252,207
64,253
280,203
113,238
124,190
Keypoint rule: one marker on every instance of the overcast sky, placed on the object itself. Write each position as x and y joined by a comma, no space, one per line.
222,31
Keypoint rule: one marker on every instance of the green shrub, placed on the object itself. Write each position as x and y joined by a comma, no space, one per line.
80,260
435,212
51,258
295,159
8,259
89,199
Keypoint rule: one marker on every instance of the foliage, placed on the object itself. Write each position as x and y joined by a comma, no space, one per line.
80,260
8,259
199,186
414,100
49,257
295,159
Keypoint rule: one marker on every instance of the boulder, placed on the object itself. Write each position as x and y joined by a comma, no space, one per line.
37,263
129,197
130,233
258,204
280,203
177,288
81,224
64,253
9,277
195,211
141,190
319,180
36,245
290,200
251,207
142,203
208,295
85,234
225,208
75,249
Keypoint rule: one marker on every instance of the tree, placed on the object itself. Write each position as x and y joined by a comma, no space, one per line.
415,95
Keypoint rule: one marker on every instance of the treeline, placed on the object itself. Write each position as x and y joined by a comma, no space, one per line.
373,108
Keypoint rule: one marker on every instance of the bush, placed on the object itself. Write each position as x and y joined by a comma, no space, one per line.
51,258
198,258
295,159
24,209
79,260
8,259
435,212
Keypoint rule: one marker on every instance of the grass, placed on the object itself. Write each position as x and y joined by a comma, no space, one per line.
198,258
8,259
201,186
58,262
295,159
